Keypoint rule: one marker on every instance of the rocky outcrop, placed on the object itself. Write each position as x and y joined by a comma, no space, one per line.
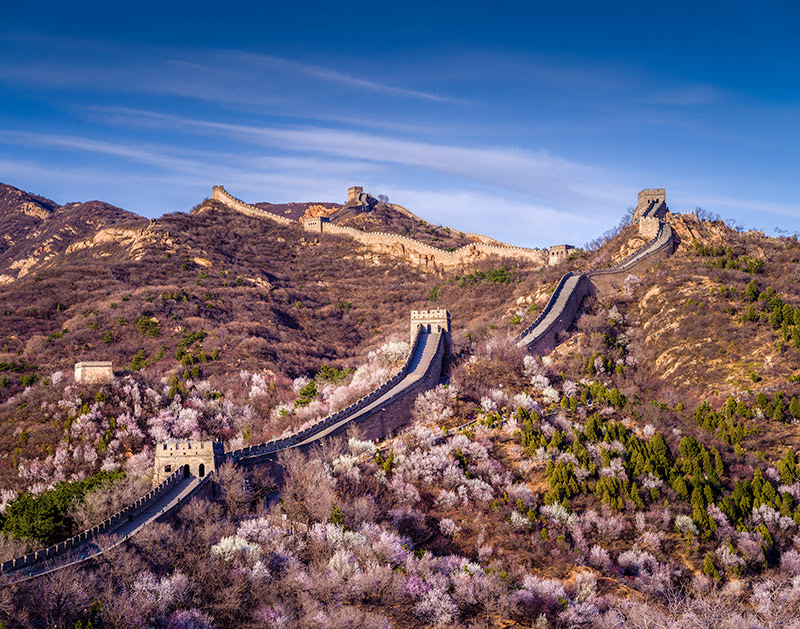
312,211
137,240
36,230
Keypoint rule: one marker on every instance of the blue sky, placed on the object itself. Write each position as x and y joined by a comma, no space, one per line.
534,123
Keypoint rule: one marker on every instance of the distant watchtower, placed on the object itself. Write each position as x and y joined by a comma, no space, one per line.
353,194
559,253
657,197
315,224
94,372
197,458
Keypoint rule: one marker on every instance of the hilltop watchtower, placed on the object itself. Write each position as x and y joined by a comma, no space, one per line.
353,194
559,253
197,458
655,196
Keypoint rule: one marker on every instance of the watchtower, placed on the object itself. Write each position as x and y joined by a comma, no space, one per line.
353,193
656,196
94,372
197,458
559,253
431,321
315,224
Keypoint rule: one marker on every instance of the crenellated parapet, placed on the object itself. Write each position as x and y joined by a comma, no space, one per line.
220,194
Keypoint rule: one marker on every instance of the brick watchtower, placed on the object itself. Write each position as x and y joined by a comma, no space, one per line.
197,458
657,196
353,194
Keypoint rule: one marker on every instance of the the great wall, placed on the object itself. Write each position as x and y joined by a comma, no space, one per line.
185,469
562,307
418,253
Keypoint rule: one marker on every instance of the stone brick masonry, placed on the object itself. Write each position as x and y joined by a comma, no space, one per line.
379,412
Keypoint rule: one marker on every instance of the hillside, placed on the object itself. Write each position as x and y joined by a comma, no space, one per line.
643,473
207,296
36,230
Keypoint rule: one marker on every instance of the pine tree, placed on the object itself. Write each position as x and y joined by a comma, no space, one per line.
709,569
679,485
794,408
752,290
337,517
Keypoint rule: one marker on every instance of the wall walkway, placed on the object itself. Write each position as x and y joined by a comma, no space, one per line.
560,311
376,414
162,502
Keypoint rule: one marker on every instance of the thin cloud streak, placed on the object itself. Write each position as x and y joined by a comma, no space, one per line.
327,74
751,206
552,180
276,179
228,76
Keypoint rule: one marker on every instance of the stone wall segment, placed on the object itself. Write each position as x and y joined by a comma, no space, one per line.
427,256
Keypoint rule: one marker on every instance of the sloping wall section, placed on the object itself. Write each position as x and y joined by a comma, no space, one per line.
425,256
559,313
377,414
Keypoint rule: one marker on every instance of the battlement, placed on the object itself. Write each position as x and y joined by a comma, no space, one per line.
433,320
191,447
559,253
94,372
353,193
197,458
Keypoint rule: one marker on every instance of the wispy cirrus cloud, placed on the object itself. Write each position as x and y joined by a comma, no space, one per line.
687,95
311,174
548,179
232,76
335,76
753,208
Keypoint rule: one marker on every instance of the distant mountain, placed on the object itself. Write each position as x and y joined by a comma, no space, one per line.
20,213
35,229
